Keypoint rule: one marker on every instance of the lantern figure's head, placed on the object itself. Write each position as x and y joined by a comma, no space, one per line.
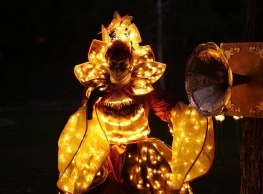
119,61
119,56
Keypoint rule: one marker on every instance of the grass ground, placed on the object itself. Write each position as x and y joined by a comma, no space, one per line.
28,154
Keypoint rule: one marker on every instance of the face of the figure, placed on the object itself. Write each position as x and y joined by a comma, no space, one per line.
119,60
119,64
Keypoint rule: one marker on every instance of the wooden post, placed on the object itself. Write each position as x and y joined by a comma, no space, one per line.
251,158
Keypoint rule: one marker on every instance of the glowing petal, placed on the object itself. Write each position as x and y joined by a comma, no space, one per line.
151,71
96,54
88,71
142,54
140,87
105,35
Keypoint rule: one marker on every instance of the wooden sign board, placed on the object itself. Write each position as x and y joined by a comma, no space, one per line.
246,59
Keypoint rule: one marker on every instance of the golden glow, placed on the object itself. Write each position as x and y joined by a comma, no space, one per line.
159,176
237,117
125,123
84,163
146,70
84,146
220,118
190,145
124,139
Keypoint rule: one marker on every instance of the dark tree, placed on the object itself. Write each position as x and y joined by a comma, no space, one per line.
251,161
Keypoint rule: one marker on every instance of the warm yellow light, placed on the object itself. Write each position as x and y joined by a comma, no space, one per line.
191,149
237,117
220,118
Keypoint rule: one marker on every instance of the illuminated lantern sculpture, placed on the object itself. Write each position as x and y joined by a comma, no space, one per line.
106,143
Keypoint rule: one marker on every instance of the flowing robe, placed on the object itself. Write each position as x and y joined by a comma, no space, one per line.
115,144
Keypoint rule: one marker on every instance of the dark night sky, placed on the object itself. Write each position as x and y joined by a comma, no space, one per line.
41,41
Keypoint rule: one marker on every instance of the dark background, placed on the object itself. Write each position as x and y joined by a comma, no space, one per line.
41,42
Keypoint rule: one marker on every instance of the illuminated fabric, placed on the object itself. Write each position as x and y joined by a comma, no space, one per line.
191,155
193,144
82,152
115,142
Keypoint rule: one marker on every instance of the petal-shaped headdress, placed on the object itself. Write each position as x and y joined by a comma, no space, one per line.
145,71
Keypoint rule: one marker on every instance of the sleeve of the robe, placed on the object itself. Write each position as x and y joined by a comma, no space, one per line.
193,144
83,147
193,136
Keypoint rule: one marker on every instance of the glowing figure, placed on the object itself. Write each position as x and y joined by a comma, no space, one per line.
107,138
